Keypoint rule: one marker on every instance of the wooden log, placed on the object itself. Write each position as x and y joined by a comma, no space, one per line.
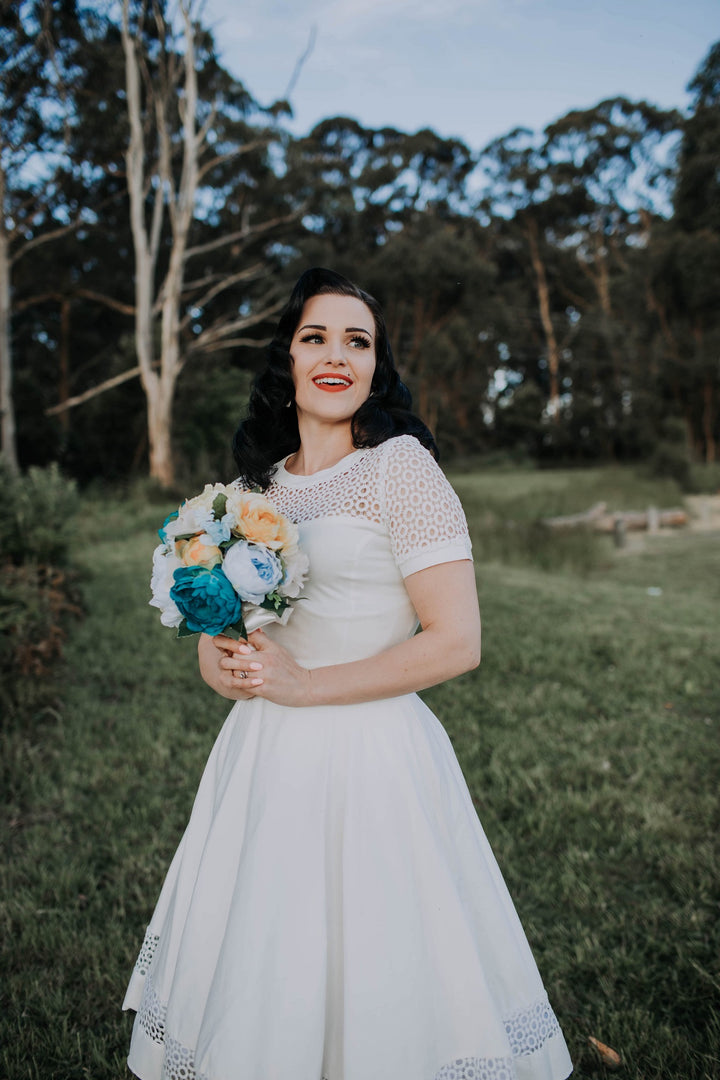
599,520
572,521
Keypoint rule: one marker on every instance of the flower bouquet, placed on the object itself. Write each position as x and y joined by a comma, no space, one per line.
228,561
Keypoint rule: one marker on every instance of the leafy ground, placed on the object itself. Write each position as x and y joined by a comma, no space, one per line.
589,739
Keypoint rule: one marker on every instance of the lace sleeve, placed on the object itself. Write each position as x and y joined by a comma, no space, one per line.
423,514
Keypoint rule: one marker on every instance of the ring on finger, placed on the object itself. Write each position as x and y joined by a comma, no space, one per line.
242,674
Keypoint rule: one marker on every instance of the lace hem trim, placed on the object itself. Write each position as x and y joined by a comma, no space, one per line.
527,1030
147,952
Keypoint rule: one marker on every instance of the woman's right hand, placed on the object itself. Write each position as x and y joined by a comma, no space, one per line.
220,665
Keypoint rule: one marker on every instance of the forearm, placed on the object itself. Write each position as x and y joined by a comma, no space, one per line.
445,601
429,658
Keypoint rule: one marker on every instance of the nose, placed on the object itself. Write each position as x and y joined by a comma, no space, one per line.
336,352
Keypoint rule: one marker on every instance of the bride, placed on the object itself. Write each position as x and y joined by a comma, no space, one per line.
334,911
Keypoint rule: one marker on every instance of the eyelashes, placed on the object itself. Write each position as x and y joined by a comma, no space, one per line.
358,340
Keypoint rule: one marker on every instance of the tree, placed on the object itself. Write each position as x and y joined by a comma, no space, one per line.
172,157
684,267
580,199
38,54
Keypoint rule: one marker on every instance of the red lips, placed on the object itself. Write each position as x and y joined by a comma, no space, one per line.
332,383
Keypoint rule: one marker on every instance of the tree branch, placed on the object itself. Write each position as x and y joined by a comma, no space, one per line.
302,60
218,159
109,384
221,330
221,286
109,301
232,343
44,238
240,234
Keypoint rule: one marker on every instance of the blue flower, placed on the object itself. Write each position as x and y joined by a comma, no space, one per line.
253,570
168,519
219,531
206,599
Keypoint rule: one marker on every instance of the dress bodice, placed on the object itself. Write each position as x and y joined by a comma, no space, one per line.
366,523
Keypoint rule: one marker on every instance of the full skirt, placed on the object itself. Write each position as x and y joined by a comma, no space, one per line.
334,912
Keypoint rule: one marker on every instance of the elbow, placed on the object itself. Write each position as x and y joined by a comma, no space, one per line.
468,654
473,658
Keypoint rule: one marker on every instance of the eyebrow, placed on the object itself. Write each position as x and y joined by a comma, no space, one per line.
348,329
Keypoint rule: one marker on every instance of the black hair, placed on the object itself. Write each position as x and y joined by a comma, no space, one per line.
269,431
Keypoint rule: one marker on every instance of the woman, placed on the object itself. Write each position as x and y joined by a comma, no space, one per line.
334,911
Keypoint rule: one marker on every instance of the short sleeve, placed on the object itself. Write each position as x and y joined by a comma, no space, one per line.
423,514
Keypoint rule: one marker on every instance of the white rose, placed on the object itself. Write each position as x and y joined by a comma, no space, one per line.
196,514
253,571
297,565
164,566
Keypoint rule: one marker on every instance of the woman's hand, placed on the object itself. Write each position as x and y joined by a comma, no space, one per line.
445,599
265,669
218,666
256,668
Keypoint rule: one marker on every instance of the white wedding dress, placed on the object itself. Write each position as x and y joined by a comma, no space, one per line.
334,911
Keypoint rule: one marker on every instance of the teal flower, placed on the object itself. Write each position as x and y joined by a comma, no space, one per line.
206,599
161,531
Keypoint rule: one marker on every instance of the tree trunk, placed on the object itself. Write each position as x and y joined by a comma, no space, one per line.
64,373
708,418
7,409
160,388
160,402
543,295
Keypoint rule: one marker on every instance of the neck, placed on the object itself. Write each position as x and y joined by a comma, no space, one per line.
321,447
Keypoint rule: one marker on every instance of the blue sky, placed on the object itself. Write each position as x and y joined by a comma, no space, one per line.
471,68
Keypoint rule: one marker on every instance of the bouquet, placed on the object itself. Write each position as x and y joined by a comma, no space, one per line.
228,561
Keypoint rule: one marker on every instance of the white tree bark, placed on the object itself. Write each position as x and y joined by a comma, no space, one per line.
7,411
153,192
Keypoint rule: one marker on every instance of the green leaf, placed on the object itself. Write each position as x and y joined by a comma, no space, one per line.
237,630
184,631
218,506
275,602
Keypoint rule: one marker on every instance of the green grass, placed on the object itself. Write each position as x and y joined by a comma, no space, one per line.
588,736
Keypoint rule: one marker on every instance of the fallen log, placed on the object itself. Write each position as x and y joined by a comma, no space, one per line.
572,521
597,519
643,519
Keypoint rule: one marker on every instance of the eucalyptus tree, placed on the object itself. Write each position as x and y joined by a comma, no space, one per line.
39,57
179,140
571,209
356,186
684,270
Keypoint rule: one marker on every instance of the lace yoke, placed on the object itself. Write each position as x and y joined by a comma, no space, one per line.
397,484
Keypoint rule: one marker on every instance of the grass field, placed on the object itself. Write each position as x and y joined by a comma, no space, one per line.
588,736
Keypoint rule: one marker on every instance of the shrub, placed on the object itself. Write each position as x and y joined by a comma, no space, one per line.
37,518
36,590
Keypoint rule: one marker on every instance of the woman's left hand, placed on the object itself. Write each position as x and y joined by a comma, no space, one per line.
271,671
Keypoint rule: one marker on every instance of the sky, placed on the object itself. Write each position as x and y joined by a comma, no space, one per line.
468,68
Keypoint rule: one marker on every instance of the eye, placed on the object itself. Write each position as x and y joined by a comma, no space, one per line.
360,342
312,339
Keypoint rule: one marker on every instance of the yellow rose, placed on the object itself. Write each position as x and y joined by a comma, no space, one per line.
257,520
194,553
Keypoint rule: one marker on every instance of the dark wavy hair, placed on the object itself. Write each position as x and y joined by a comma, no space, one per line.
269,431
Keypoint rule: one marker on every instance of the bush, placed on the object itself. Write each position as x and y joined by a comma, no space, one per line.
36,590
704,479
38,515
34,604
